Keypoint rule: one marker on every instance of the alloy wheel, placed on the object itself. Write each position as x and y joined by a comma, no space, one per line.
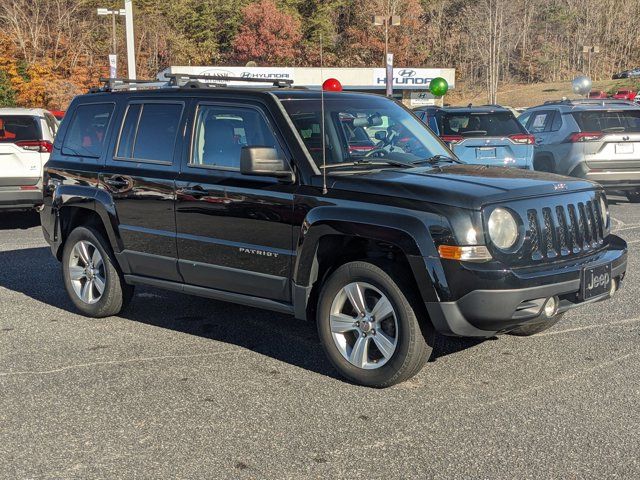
364,325
87,272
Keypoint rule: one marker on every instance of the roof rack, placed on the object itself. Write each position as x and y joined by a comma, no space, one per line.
590,101
192,81
114,84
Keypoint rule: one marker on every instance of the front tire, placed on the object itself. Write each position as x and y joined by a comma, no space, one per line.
91,276
368,326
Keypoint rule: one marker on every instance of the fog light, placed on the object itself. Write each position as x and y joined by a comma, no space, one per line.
614,287
550,307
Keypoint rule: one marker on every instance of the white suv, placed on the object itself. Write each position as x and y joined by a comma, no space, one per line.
26,139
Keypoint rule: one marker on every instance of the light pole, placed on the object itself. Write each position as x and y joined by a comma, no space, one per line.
113,57
131,53
386,21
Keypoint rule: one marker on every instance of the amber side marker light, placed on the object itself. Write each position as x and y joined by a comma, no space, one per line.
478,253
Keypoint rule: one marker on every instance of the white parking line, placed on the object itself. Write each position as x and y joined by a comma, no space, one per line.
113,362
619,323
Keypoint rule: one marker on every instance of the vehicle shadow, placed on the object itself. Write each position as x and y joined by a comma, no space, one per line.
19,220
35,273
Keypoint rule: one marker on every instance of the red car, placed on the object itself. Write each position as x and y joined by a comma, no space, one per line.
59,114
625,95
597,94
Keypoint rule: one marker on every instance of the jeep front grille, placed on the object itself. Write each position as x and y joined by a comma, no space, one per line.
564,230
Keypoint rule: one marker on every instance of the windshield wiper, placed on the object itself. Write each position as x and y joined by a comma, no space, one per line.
366,162
436,159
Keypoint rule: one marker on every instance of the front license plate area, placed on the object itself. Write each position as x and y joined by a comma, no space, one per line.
486,152
596,281
624,148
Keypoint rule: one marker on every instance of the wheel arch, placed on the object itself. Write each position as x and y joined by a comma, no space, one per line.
74,206
336,236
544,157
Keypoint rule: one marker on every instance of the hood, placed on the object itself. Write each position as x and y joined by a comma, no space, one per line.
465,186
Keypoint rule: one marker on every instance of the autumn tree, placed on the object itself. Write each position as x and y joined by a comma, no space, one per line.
267,35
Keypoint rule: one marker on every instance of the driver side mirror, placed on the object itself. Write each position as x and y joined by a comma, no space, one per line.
264,162
381,135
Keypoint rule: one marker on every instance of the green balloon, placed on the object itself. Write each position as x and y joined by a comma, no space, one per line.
438,86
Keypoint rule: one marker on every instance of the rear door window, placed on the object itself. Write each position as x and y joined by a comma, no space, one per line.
222,131
608,121
540,121
15,128
149,132
88,130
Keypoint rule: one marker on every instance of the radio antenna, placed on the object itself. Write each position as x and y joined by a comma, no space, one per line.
324,140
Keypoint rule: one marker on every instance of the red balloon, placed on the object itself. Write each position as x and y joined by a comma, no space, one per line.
331,85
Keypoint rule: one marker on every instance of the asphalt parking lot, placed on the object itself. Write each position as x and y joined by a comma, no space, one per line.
184,387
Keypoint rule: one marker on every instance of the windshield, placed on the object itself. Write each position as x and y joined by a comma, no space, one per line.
608,120
14,128
362,128
490,124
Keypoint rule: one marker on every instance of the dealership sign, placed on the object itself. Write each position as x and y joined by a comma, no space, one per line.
422,99
246,72
406,78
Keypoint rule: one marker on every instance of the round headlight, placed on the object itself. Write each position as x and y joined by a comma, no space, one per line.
503,229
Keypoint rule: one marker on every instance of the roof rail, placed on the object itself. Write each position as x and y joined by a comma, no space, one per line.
590,101
114,84
192,81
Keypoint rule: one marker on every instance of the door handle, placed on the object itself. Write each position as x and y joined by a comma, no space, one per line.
117,182
197,191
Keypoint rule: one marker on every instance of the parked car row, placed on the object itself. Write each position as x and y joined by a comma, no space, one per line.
622,94
597,140
632,73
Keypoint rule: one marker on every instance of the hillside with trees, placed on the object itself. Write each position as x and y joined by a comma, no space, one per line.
51,50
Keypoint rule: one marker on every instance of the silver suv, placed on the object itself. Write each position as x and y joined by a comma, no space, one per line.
594,139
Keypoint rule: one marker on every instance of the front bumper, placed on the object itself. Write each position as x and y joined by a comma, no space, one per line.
485,311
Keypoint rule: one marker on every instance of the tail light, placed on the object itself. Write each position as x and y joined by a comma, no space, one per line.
585,137
452,138
523,138
42,146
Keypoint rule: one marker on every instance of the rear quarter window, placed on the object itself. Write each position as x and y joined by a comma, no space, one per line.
149,132
87,131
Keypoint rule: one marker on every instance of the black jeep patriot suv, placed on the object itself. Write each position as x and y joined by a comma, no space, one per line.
342,207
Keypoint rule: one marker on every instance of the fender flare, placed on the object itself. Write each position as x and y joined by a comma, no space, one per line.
88,198
410,233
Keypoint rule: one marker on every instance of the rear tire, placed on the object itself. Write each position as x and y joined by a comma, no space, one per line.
633,196
369,328
537,327
92,278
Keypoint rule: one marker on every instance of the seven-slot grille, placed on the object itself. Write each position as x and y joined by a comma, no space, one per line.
565,229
